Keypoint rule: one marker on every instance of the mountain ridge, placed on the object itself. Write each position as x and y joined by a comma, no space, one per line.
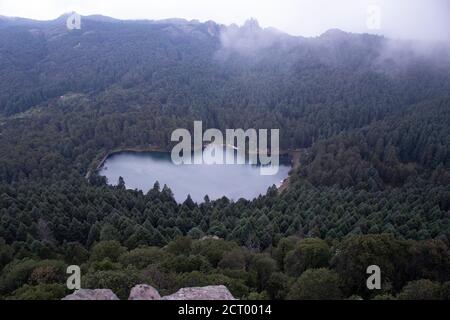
250,23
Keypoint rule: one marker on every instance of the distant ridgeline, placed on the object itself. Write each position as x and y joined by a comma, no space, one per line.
371,116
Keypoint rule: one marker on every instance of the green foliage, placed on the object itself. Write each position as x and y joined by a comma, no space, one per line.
52,291
75,254
430,260
187,264
307,254
237,287
108,232
195,233
16,274
104,265
263,266
6,254
258,296
120,282
180,246
28,271
284,246
164,280
212,249
107,249
235,259
420,290
278,286
373,153
354,254
192,279
316,284
247,274
141,257
445,291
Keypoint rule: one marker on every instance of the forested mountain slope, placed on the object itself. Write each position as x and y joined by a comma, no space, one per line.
370,115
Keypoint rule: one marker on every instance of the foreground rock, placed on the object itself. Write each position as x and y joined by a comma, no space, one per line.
144,292
92,294
201,293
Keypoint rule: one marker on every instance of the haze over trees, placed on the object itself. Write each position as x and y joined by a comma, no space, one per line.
370,115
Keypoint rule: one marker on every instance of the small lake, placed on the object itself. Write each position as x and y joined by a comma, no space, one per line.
141,170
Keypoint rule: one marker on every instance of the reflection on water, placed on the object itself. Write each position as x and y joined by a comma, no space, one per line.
142,170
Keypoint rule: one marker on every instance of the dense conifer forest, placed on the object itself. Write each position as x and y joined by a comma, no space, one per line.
369,115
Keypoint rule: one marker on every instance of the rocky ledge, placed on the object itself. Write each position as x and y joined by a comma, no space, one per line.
90,294
146,292
201,293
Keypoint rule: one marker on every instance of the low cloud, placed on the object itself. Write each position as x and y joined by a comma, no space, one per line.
250,39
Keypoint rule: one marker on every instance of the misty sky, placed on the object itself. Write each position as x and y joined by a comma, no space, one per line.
423,19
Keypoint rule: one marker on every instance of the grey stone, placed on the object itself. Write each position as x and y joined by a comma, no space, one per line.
201,293
92,294
144,292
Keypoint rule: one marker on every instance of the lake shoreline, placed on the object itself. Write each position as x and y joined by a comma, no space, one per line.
295,161
100,161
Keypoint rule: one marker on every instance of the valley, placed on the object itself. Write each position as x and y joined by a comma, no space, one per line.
368,115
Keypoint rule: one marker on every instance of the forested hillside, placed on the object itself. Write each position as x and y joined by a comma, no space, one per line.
370,116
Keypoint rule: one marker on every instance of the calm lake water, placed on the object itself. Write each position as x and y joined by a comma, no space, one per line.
142,170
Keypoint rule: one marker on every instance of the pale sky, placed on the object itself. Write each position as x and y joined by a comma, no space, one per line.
424,19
